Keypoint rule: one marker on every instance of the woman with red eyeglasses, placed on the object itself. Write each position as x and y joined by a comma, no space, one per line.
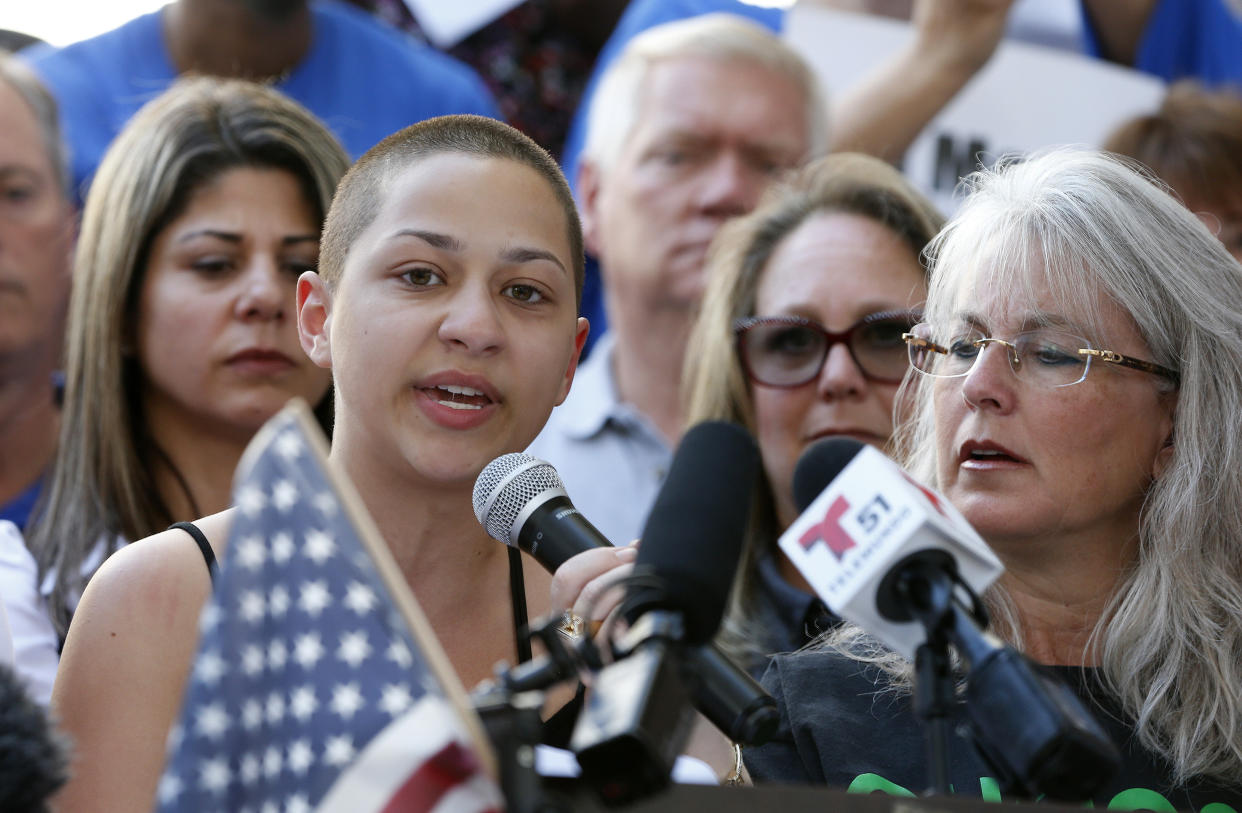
799,338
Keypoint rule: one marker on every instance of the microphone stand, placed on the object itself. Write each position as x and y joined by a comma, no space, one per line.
510,708
928,593
1032,729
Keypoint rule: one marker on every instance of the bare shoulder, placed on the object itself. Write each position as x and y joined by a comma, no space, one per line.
159,581
130,647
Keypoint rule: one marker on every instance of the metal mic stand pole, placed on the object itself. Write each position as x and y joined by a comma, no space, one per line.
510,709
929,597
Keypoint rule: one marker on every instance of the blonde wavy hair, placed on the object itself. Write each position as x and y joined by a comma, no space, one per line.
715,387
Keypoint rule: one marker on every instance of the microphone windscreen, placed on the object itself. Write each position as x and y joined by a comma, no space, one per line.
693,538
819,465
505,486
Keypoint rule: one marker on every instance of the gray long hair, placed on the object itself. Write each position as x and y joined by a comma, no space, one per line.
1169,639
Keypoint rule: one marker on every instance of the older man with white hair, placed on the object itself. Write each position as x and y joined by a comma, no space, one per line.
687,128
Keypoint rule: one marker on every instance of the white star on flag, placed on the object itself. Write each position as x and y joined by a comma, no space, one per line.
273,718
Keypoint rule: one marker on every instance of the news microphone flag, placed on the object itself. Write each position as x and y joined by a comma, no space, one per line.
318,684
870,517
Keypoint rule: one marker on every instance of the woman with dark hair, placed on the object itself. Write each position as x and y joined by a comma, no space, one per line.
181,341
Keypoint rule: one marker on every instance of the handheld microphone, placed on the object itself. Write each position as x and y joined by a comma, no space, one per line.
889,554
522,502
862,518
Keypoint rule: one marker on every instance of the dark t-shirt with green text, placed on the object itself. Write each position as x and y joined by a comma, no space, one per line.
841,728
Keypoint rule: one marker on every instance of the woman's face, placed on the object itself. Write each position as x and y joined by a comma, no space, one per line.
453,329
834,269
1027,462
216,335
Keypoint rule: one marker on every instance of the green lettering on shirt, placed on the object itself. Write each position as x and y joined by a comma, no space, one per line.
989,789
1141,799
873,783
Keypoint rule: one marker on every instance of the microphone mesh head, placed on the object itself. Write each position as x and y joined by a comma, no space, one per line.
504,488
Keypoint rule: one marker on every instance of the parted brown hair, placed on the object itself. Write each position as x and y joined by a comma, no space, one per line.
1193,143
101,491
362,190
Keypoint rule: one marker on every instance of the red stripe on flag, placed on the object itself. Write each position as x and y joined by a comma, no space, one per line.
443,771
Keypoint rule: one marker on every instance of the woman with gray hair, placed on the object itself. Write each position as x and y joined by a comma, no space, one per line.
1078,396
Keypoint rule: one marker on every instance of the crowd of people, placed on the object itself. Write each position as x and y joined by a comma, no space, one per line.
185,247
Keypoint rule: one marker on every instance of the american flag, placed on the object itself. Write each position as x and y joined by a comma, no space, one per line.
311,689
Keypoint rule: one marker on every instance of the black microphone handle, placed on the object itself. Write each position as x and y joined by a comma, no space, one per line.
729,697
553,531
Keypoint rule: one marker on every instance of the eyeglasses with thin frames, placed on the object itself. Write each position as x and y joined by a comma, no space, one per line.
1047,357
789,351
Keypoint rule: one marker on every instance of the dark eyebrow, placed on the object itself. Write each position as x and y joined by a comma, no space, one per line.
227,236
234,237
445,242
521,254
11,170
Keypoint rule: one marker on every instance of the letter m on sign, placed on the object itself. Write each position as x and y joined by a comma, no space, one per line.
829,531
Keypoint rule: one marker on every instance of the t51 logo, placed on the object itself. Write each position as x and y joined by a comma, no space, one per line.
829,531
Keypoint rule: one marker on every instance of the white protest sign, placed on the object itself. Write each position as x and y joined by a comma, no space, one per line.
1025,98
448,22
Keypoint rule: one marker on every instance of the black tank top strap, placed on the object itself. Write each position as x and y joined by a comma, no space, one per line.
517,594
203,545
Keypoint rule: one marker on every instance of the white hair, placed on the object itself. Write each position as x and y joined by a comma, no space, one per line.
1076,221
721,37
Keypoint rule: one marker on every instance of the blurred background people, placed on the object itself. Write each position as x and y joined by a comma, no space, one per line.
799,339
1194,144
535,58
1077,398
33,756
1169,38
181,339
361,77
36,244
688,128
881,115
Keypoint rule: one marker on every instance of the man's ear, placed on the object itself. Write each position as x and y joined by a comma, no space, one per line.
589,178
584,327
314,302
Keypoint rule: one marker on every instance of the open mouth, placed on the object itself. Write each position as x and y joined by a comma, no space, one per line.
990,454
458,397
987,452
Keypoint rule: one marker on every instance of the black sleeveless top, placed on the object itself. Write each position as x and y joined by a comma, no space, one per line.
517,584
558,728
204,547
